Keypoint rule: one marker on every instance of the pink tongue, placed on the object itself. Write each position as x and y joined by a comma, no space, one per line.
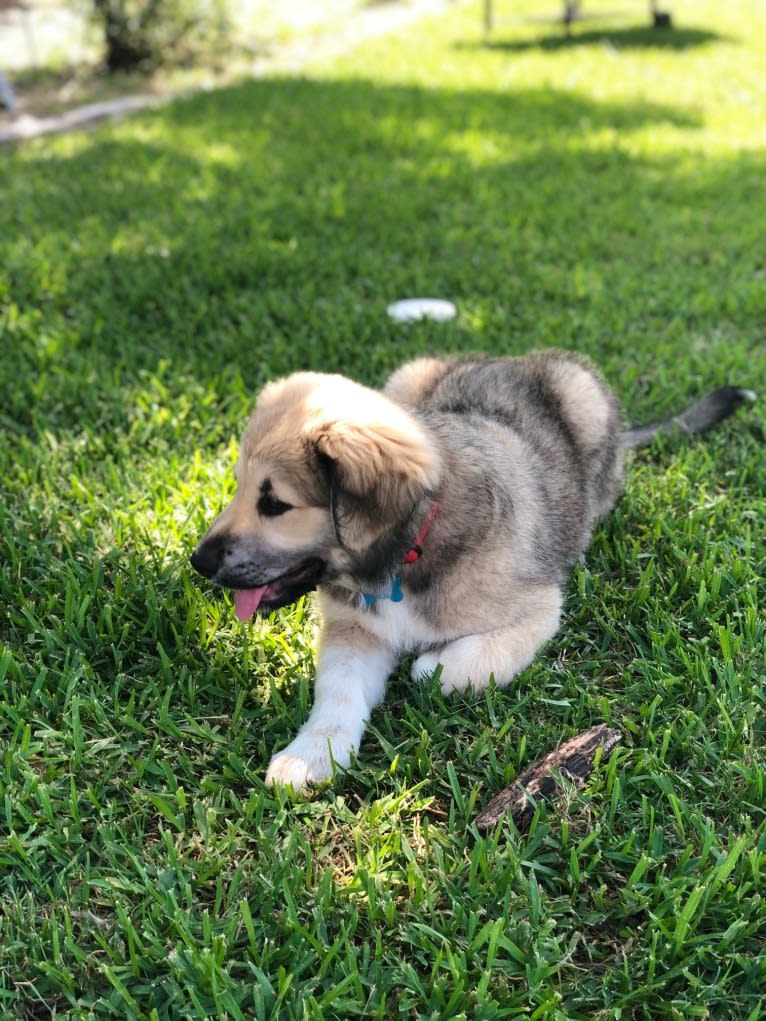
246,601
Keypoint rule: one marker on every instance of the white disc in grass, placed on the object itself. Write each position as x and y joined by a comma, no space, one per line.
410,309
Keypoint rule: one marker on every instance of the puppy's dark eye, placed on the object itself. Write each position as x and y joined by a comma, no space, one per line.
270,506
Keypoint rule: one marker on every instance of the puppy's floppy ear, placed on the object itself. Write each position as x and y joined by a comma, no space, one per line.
378,469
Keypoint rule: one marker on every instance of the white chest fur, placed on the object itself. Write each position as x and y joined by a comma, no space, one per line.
397,624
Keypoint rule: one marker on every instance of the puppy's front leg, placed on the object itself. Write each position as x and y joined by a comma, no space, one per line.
352,669
502,652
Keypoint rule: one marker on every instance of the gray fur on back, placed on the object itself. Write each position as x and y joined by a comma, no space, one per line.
532,458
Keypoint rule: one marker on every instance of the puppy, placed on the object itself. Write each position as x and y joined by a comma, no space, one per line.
438,518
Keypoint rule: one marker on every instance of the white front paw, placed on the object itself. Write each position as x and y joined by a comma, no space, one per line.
424,666
460,666
450,679
309,759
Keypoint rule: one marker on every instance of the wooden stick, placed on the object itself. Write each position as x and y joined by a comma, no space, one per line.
573,761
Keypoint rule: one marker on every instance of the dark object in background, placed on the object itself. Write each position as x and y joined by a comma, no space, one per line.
7,99
571,12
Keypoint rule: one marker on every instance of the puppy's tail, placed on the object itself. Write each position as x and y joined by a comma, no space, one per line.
698,417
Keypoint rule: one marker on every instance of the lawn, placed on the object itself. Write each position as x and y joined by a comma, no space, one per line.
604,194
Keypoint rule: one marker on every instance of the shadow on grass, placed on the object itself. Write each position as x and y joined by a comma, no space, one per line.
263,228
633,38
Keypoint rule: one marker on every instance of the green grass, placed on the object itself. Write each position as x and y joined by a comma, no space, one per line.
605,195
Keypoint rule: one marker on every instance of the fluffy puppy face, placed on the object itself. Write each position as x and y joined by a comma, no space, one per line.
325,467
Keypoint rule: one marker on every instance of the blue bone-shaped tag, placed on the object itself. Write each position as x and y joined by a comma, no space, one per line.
395,595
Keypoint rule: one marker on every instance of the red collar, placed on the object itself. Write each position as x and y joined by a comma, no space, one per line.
415,552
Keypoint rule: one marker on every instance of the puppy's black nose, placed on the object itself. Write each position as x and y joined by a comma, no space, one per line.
208,555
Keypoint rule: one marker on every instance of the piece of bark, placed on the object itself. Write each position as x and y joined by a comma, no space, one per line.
573,761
